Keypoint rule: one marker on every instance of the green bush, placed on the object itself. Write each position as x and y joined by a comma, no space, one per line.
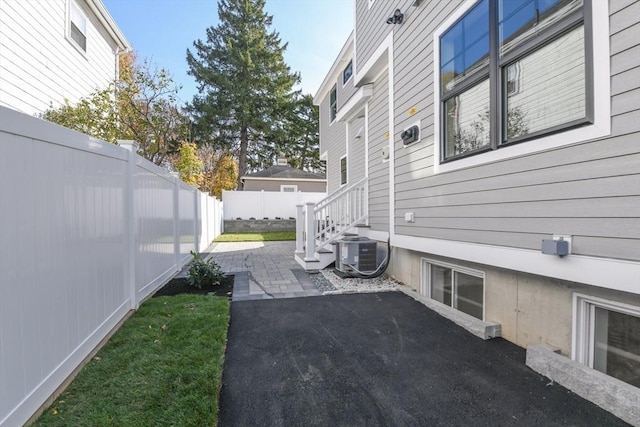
203,273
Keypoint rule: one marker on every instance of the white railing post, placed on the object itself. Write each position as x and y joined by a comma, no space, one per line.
311,232
299,229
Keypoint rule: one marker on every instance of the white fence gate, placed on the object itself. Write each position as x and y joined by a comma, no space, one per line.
87,231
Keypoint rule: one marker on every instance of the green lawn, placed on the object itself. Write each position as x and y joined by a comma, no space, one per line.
257,237
162,367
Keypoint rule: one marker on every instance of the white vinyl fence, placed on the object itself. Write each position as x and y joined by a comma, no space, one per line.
265,204
87,231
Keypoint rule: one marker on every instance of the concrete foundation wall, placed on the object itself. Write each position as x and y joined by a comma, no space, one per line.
259,225
531,309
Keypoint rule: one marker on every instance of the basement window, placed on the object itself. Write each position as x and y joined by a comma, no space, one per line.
606,337
457,287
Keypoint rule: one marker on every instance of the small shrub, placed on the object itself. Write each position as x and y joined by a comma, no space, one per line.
266,217
252,219
238,218
203,273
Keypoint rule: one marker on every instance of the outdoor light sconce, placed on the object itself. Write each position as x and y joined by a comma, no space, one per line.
397,17
410,135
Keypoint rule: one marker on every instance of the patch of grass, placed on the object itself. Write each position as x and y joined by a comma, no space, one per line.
256,237
162,367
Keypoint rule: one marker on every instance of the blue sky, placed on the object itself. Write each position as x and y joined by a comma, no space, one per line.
163,30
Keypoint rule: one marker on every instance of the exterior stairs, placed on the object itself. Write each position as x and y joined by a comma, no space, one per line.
320,225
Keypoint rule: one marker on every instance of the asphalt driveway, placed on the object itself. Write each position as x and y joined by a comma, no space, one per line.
380,359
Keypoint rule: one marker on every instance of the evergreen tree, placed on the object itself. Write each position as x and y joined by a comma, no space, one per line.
245,87
301,136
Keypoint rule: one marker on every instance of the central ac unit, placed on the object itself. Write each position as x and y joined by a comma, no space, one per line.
356,255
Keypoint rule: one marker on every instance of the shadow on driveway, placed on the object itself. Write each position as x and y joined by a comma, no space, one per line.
380,359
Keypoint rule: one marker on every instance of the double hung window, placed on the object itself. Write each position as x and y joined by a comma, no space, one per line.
77,26
511,71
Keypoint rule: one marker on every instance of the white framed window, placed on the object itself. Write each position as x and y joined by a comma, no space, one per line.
343,170
333,103
496,98
606,337
77,26
457,287
284,188
347,73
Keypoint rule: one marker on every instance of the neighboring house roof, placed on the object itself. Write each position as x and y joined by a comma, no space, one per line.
285,172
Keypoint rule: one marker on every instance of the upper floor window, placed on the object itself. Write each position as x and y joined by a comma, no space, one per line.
347,73
511,71
333,102
77,26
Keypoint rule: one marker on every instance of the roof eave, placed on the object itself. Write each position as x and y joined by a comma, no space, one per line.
105,18
345,53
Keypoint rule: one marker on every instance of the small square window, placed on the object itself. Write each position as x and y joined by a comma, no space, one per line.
77,26
333,102
347,73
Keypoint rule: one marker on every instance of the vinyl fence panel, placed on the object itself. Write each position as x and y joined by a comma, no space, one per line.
87,230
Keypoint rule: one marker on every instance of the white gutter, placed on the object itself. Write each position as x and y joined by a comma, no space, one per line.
107,21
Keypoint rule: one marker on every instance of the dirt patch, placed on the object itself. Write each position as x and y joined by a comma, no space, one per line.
180,286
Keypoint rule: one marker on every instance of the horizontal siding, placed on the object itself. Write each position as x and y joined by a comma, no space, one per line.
371,27
590,190
332,141
39,66
344,92
378,167
274,185
356,160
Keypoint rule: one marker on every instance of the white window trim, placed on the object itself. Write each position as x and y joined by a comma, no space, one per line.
284,187
347,171
425,282
601,99
583,324
70,5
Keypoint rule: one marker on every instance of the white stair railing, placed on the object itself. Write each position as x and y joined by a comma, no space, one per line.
330,218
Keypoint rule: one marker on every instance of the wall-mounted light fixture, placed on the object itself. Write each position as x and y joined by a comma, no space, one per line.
396,18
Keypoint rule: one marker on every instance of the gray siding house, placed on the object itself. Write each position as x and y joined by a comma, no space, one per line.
284,178
528,130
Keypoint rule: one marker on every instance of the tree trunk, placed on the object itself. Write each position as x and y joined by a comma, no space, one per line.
242,156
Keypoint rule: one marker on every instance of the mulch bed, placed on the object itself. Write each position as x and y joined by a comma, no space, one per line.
180,286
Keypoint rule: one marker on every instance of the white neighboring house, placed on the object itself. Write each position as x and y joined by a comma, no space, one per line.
55,50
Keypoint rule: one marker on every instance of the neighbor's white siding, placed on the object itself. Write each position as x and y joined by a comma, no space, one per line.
40,66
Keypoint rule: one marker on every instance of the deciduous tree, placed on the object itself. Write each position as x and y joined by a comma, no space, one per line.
141,105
